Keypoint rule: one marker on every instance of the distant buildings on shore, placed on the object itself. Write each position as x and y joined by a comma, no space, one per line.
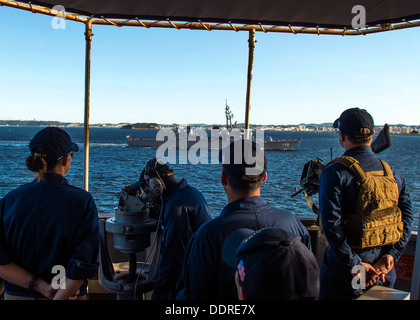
404,130
393,129
324,127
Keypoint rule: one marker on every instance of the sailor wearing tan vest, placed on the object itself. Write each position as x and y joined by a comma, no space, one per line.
365,210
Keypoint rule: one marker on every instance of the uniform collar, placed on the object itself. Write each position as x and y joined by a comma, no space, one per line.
358,150
179,185
243,204
54,178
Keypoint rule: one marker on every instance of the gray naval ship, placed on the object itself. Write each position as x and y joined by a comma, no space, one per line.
187,137
269,143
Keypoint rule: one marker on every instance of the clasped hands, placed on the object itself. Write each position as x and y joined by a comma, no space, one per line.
378,270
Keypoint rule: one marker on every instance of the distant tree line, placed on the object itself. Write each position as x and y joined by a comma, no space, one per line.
141,125
32,123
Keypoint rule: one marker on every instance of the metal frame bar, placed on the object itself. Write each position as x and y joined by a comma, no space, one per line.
88,38
415,281
251,44
228,26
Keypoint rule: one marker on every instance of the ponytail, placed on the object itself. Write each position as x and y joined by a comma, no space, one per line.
37,163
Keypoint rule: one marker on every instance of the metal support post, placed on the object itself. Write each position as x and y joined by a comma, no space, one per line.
251,44
88,37
415,282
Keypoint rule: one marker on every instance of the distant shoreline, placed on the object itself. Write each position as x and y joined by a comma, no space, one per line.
323,127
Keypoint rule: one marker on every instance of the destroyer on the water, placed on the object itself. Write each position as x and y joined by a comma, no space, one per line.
218,138
185,139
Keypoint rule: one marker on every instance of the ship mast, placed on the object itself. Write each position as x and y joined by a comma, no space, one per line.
229,116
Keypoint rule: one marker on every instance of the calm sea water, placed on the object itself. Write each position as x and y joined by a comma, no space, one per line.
113,165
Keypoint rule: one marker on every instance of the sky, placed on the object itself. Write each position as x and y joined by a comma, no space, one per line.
184,76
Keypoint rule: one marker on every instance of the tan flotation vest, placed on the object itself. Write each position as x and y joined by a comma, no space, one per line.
377,220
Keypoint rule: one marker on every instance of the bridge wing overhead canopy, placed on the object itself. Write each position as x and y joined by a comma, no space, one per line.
335,14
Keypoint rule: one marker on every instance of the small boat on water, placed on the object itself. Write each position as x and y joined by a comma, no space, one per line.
280,144
144,142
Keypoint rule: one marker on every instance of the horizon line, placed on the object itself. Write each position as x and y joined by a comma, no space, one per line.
187,124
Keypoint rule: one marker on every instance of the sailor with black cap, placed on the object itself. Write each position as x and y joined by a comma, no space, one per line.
48,223
365,212
244,170
271,264
184,210
357,124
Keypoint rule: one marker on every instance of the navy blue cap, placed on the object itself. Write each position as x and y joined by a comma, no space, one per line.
139,183
272,264
52,143
153,168
245,159
156,168
354,121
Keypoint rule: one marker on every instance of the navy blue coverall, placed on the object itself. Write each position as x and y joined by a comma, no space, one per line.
338,190
48,223
207,276
185,210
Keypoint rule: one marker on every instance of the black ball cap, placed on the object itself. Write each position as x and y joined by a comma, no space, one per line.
354,121
52,143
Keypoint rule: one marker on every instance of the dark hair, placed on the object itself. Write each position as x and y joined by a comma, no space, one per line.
38,163
236,169
241,185
364,137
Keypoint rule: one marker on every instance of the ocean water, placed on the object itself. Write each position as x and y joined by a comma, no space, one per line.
114,165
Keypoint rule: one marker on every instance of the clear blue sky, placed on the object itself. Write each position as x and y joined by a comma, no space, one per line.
184,76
